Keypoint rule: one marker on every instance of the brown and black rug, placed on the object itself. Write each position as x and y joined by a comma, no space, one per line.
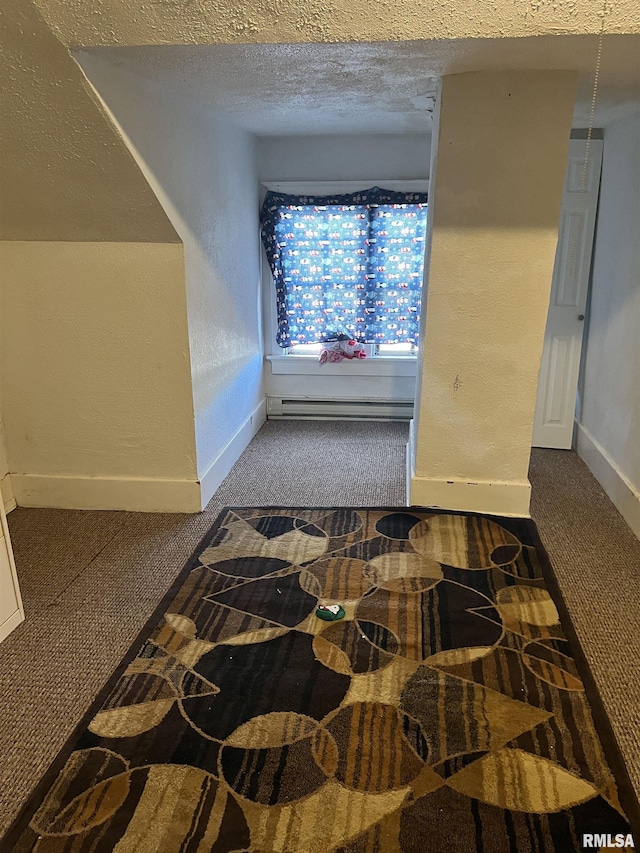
446,712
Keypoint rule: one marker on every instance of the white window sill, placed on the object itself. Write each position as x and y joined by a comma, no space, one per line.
377,365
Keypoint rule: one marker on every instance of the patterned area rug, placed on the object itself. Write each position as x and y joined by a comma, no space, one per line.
445,712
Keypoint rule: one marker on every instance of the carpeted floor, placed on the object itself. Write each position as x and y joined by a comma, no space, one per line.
90,580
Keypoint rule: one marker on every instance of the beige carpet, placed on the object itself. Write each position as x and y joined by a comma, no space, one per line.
91,579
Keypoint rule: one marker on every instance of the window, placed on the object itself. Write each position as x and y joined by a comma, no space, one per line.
347,264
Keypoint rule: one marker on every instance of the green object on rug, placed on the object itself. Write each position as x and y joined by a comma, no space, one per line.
330,612
448,712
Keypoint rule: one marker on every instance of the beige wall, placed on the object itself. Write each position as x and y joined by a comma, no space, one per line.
4,465
95,364
204,170
6,491
494,206
96,374
609,432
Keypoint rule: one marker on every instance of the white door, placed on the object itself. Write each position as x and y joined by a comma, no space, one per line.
558,383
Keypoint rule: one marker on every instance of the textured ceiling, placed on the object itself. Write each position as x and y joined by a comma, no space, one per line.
85,23
386,87
273,66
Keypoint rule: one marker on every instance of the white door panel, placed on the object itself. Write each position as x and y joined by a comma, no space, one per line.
558,383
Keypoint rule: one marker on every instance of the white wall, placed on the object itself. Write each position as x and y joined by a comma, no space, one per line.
203,169
343,158
95,376
322,383
609,432
337,158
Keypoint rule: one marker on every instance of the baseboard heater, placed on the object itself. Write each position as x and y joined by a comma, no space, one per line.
330,409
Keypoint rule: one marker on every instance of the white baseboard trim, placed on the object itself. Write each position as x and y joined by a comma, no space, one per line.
494,498
410,461
6,490
127,493
623,494
135,494
229,455
10,624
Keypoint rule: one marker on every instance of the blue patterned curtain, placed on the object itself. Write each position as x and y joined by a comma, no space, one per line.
346,265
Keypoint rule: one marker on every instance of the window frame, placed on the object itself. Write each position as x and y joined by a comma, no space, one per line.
279,357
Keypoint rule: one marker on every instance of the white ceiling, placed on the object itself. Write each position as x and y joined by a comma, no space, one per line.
383,87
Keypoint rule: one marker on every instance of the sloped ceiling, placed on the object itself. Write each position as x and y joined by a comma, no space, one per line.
65,173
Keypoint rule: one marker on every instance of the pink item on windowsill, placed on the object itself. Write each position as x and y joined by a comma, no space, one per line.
338,350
